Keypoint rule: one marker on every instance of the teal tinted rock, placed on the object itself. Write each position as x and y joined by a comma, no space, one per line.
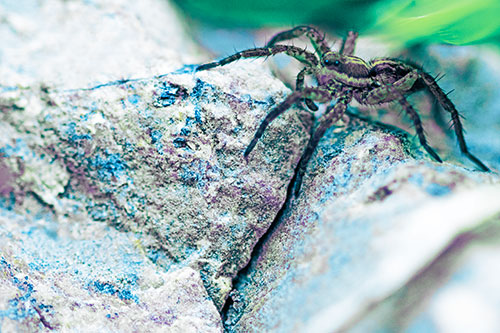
126,203
71,275
162,158
379,229
367,221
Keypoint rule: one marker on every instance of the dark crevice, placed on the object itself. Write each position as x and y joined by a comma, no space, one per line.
259,246
257,250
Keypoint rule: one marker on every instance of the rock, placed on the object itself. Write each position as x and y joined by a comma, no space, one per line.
369,220
111,172
369,240
456,292
159,157
93,278
76,44
126,203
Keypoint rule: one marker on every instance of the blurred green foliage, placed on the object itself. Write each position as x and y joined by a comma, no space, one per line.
448,21
404,21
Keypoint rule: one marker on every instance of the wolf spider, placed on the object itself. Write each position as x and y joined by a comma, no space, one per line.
341,76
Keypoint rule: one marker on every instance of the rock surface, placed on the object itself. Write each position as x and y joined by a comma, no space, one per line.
140,181
161,158
378,232
126,203
70,276
75,44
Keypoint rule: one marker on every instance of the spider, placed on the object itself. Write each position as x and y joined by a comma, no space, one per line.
343,77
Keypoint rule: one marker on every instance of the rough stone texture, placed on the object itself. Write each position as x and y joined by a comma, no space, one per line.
57,274
160,157
379,231
122,195
126,204
74,44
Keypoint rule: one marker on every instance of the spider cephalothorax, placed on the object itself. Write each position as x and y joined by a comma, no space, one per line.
342,77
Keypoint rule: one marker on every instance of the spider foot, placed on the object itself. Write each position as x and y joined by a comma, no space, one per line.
204,67
250,148
477,162
433,153
311,105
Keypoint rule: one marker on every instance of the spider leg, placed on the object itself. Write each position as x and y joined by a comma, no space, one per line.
418,127
331,115
315,36
317,94
445,102
300,54
390,92
349,43
438,115
395,92
299,85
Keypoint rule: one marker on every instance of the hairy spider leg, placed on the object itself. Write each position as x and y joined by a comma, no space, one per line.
418,127
396,91
331,115
299,85
436,111
445,102
349,43
316,38
317,94
438,115
293,51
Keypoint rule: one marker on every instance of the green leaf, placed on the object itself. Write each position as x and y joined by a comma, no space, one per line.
404,21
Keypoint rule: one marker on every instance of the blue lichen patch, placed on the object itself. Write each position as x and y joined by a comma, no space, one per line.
199,173
168,93
24,305
109,166
180,143
134,99
19,148
73,136
51,280
109,265
110,289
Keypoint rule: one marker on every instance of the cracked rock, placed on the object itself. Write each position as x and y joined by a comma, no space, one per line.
125,199
380,237
159,157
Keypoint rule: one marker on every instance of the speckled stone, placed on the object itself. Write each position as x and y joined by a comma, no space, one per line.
60,275
367,245
369,218
162,158
125,199
126,203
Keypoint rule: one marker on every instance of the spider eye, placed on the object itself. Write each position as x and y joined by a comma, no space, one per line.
330,63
